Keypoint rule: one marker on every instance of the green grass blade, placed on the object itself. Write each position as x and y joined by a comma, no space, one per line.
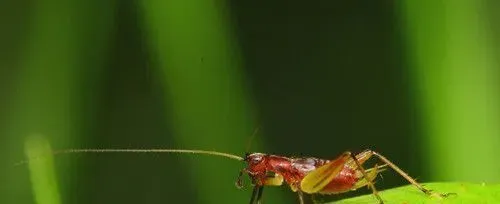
200,64
462,193
42,172
456,75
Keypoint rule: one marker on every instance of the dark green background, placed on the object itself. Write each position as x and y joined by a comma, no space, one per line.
319,78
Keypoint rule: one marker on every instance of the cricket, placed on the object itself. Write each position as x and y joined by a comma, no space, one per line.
304,175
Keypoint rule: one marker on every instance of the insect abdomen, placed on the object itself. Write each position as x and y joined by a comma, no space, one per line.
343,182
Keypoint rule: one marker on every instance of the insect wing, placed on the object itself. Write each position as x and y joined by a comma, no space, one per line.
316,180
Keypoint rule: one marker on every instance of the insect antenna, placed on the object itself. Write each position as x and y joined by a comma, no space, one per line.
188,151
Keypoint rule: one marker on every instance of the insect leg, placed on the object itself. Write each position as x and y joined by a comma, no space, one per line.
368,181
406,176
256,194
259,196
301,197
239,183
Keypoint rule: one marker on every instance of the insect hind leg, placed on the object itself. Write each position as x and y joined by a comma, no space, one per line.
369,181
406,176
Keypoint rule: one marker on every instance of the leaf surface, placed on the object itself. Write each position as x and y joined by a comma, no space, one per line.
462,193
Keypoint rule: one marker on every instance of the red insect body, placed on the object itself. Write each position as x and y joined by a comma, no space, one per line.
293,170
312,175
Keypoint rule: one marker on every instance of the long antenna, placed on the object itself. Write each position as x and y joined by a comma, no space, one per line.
189,151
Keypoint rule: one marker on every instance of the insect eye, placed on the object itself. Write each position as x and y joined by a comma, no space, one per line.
257,159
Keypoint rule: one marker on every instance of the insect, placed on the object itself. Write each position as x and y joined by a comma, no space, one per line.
304,175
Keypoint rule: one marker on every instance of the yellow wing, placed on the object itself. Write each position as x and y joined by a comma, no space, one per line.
316,180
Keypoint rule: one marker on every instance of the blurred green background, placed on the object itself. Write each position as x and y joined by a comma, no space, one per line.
417,80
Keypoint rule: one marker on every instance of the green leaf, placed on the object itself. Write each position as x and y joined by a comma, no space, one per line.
42,172
462,193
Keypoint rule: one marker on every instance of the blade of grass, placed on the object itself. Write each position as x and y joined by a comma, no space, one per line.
456,74
463,193
200,66
44,94
42,172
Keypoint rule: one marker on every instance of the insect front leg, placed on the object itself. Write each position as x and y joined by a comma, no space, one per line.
239,182
256,194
